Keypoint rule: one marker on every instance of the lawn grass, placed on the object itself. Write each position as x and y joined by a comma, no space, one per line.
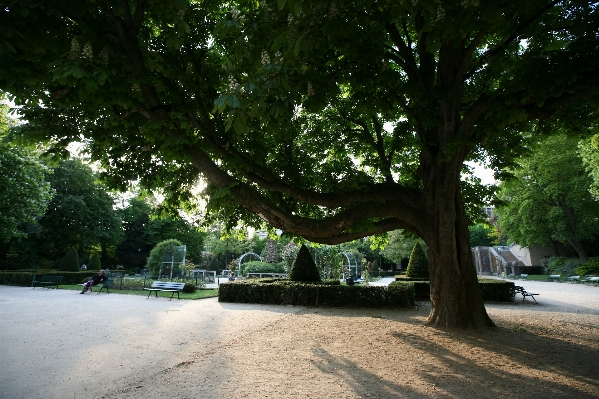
198,294
542,277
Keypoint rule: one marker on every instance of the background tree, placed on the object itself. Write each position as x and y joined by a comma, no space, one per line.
25,193
480,235
549,198
157,255
94,262
70,262
134,248
589,151
254,95
399,246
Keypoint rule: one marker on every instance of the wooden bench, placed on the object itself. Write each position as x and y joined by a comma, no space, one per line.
47,281
524,293
523,276
554,277
574,279
165,286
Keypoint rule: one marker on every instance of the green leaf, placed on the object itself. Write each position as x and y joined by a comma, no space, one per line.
282,4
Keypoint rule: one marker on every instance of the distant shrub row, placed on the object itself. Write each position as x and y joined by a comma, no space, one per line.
492,290
327,293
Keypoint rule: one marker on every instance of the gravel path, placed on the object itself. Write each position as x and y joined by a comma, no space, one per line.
59,344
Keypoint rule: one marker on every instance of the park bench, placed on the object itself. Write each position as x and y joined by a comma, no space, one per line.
106,284
524,293
47,281
574,279
266,274
165,287
591,280
554,277
511,276
523,276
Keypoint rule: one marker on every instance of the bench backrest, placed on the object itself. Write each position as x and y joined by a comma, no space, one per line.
53,279
108,282
555,276
524,275
166,285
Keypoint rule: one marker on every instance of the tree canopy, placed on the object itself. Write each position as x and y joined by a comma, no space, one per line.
330,120
549,198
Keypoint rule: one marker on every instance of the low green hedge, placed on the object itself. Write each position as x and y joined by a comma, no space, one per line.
24,279
328,294
493,290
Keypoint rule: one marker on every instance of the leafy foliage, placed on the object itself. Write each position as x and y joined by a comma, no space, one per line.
154,263
480,235
589,151
304,268
94,262
261,267
549,198
591,266
563,266
70,262
25,192
418,265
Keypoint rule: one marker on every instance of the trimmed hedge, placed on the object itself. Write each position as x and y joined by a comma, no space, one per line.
493,290
328,294
23,279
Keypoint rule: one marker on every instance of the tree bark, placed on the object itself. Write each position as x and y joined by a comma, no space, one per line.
579,248
456,297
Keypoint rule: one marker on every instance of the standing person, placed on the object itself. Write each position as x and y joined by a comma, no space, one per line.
232,276
95,280
84,267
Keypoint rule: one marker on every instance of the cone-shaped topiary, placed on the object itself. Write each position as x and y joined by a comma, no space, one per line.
70,262
418,265
94,262
304,268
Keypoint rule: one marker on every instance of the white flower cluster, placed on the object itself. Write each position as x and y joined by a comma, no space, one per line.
233,85
88,52
310,90
333,10
265,58
75,49
180,14
440,14
265,6
279,57
470,3
234,12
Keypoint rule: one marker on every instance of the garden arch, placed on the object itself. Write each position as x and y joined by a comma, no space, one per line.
240,259
351,263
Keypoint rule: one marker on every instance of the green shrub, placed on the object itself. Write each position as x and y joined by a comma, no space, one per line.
285,292
70,262
189,288
418,265
304,268
94,262
563,266
591,266
262,267
157,254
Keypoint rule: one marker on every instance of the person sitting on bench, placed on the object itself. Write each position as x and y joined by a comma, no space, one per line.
95,280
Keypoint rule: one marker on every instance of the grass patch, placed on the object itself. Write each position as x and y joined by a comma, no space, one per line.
542,277
198,294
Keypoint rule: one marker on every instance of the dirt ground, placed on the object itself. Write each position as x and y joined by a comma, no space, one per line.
544,350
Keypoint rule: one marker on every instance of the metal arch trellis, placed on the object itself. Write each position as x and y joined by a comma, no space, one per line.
354,268
172,258
240,259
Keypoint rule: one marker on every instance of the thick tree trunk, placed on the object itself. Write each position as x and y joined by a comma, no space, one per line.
579,248
455,293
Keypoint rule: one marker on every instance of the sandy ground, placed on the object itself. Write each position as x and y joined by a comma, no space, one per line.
59,344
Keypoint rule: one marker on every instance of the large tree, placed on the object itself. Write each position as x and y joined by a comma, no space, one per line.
283,105
548,200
